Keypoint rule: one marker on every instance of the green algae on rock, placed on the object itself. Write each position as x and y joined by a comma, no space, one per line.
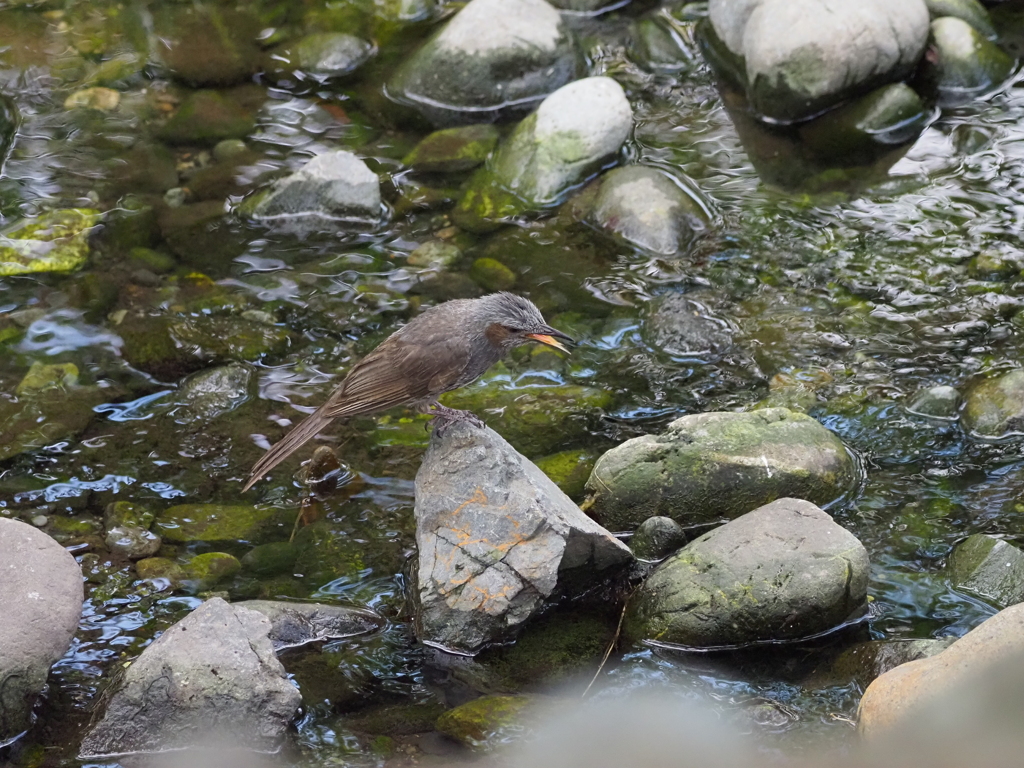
53,242
492,275
994,408
710,467
206,117
42,376
209,569
569,469
453,149
485,723
988,567
271,559
965,64
217,523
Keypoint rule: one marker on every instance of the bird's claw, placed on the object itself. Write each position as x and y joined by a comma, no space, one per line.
444,417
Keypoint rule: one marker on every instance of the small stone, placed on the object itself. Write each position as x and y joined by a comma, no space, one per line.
103,99
40,521
486,723
228,149
329,54
492,275
434,254
271,559
176,197
683,326
971,11
206,117
132,542
53,242
454,149
162,568
657,538
209,569
964,63
937,402
994,408
41,377
297,624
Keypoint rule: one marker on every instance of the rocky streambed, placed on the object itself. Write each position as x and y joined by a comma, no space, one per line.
780,476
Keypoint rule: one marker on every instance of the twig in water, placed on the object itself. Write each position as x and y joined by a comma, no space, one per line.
608,650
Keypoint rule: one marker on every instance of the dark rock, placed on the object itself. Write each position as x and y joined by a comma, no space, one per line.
936,402
716,466
994,408
782,572
656,538
211,677
454,149
271,559
684,327
207,117
200,234
865,661
41,602
295,624
147,168
988,567
490,559
208,46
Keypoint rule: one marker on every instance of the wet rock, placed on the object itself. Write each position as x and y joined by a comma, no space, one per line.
41,601
215,523
492,275
160,568
940,402
684,327
153,261
644,207
496,540
656,538
208,394
486,723
396,719
132,542
271,559
206,118
659,46
335,185
971,11
478,68
798,59
126,513
328,54
41,377
988,567
200,235
204,572
716,466
327,551
995,264
102,99
994,408
145,168
210,677
865,661
573,132
569,470
782,572
453,149
894,696
52,242
294,624
963,63
208,46
115,72
435,254
229,149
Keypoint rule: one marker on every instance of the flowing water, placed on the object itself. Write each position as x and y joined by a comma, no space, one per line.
844,302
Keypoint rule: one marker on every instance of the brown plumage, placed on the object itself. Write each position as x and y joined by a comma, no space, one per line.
446,347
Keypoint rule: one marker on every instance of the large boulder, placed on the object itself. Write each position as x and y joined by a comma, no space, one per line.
782,572
716,466
41,598
497,540
988,567
493,58
994,408
800,57
895,696
209,679
574,131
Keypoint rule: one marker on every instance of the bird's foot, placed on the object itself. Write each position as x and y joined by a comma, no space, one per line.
444,417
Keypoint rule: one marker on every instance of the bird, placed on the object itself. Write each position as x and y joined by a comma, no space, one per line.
446,347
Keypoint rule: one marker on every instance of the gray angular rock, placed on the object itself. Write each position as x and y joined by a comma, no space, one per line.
684,327
334,185
800,57
209,679
994,408
494,57
988,567
646,208
497,539
782,572
656,538
294,624
940,402
716,466
41,598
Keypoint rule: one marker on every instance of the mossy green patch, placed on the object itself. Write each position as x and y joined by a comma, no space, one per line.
215,523
206,117
492,275
208,570
569,469
453,149
41,377
53,242
485,723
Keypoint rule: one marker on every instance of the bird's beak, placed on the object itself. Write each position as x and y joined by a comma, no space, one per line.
551,336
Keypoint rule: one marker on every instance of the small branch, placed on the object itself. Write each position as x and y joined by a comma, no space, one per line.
608,650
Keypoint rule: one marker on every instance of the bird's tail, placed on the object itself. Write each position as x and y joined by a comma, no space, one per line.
287,445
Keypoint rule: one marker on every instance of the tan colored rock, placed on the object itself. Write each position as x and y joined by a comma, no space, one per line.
899,692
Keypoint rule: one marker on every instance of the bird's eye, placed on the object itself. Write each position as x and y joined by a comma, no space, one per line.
514,329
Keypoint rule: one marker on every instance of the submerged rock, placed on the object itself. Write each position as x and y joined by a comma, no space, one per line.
684,327
334,185
486,723
940,402
208,394
657,538
796,59
204,572
896,695
206,117
295,624
53,242
494,57
643,206
964,64
716,466
497,540
207,46
865,661
211,677
782,572
988,567
328,54
453,149
994,408
132,541
572,134
41,602
215,523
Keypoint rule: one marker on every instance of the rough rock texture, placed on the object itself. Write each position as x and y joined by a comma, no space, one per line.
657,537
645,207
334,185
891,698
995,407
782,572
683,326
294,624
799,57
41,601
988,567
716,466
211,678
966,64
493,57
496,539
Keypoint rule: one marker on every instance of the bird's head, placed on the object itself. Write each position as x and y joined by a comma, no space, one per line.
511,320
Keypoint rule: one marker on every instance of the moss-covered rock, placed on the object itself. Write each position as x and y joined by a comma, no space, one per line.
486,723
207,117
155,261
53,242
206,571
971,11
453,149
98,98
865,661
397,719
656,538
218,523
436,254
271,559
41,377
994,408
204,46
327,54
326,552
782,572
988,567
964,64
153,568
716,466
492,275
569,469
